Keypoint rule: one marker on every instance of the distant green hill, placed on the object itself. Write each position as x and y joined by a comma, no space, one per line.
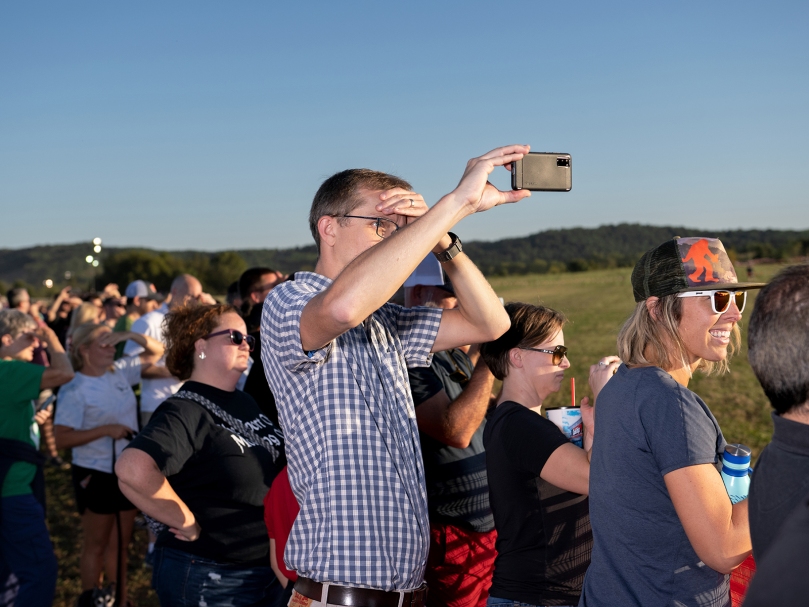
575,249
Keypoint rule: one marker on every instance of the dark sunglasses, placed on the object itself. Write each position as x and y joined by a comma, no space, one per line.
720,299
236,338
559,352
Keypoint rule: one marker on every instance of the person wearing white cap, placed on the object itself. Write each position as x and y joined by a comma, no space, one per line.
140,300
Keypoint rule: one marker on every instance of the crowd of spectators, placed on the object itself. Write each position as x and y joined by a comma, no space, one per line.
310,443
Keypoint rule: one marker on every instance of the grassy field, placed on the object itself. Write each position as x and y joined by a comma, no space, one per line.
596,303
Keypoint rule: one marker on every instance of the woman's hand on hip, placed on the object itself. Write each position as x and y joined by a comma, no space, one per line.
187,533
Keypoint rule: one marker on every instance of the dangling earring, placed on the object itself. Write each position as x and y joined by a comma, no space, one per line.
202,355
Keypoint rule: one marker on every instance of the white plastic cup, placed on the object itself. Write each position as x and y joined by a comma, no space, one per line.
568,420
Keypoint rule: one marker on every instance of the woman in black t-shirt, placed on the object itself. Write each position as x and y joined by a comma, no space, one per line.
202,466
538,480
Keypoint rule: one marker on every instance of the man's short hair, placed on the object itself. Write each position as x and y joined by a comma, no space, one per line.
250,280
778,339
340,194
15,323
15,296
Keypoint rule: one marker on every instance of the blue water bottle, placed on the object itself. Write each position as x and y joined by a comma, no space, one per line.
735,469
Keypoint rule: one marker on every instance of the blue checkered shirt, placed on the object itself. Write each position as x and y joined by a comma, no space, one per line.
352,441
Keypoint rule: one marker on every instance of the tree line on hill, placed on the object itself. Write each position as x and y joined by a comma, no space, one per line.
568,250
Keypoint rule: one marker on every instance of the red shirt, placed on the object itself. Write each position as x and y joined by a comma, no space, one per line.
280,511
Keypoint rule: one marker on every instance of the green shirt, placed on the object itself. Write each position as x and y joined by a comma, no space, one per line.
122,325
19,387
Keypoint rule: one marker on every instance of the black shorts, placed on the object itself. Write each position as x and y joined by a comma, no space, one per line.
98,492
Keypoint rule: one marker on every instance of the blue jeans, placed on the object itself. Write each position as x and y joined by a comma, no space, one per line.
185,580
492,601
26,548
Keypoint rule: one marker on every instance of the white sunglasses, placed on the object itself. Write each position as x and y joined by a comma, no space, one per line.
720,299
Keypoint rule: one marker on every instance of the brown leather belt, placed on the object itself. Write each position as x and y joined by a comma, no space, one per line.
360,597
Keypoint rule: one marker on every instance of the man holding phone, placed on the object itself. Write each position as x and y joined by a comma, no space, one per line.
338,365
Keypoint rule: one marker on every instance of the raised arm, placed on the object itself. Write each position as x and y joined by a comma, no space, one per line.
60,372
718,531
455,422
143,484
54,309
367,282
152,349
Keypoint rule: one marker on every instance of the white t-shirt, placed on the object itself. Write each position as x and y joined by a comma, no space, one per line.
89,402
153,391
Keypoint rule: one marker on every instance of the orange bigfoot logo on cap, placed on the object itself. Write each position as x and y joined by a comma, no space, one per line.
704,260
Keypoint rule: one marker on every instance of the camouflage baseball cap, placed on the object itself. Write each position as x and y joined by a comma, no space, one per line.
686,264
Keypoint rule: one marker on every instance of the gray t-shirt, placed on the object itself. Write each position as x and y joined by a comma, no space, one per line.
648,425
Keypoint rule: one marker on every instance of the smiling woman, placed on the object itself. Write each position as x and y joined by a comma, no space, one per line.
653,474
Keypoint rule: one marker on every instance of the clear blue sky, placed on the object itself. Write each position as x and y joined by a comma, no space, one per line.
210,125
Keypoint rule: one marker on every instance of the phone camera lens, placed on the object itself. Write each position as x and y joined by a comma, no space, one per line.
562,162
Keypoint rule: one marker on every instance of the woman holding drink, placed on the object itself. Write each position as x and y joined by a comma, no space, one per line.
538,480
664,529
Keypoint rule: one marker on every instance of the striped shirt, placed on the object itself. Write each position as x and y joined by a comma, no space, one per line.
352,443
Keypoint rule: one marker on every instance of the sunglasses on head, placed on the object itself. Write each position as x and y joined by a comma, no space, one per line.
559,352
720,299
236,338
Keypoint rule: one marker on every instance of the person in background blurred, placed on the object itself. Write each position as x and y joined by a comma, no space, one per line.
58,315
25,545
254,285
94,298
19,299
203,465
664,529
114,308
778,351
233,297
85,313
185,290
140,300
97,413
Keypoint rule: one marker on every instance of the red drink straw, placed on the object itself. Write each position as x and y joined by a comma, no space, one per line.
572,391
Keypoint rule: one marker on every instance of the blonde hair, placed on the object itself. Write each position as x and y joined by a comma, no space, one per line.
85,313
644,340
83,335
